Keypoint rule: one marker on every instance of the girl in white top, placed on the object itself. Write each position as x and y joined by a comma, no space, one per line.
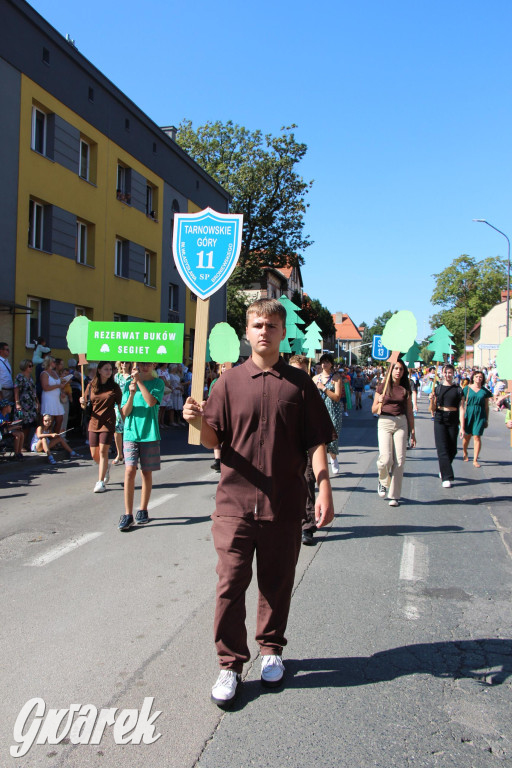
52,386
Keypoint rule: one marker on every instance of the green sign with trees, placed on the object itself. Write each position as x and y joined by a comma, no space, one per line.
135,342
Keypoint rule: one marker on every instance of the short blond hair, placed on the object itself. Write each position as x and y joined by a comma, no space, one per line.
265,308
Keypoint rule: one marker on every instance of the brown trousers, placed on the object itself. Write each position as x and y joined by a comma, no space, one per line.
277,547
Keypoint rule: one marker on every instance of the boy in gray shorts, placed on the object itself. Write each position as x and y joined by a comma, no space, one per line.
140,404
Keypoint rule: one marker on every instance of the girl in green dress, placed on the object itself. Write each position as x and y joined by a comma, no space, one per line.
477,414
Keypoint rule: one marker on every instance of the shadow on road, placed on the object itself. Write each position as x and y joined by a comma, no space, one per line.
488,661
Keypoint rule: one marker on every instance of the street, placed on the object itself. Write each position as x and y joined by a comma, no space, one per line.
399,640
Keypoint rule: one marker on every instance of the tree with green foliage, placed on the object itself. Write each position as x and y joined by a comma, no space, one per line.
379,323
467,290
260,173
313,310
237,303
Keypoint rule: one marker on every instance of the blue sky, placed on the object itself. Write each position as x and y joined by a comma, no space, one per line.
404,105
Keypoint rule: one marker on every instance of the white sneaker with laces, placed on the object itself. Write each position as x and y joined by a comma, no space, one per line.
224,690
447,484
99,487
272,670
335,466
381,490
393,503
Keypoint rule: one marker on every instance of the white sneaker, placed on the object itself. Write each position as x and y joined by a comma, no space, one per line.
335,466
381,489
224,690
107,476
447,484
272,671
393,503
99,487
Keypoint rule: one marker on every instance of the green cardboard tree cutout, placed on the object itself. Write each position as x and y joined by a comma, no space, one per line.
313,340
224,344
400,331
412,355
441,343
293,320
76,337
504,359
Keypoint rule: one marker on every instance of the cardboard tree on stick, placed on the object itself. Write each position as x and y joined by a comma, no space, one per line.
313,340
441,343
398,335
76,339
224,344
293,320
297,345
504,364
412,355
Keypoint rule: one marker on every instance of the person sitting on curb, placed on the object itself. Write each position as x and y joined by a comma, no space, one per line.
139,407
7,428
44,440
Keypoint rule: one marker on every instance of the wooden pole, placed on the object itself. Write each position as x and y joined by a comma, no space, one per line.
197,389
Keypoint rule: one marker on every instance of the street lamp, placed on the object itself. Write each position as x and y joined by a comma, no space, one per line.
483,221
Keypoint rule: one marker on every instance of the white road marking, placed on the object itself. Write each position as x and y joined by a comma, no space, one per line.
161,500
414,562
62,549
413,568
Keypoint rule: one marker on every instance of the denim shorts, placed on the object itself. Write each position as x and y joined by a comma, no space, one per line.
147,453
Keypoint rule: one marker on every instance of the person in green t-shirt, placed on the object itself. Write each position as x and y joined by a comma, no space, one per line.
139,406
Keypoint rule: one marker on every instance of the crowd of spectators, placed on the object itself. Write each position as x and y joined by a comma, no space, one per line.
49,385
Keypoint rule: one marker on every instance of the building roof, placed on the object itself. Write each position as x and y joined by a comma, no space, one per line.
346,330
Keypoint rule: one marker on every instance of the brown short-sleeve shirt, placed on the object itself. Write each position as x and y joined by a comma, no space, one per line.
266,421
103,417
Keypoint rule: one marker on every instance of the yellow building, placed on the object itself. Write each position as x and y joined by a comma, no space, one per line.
93,185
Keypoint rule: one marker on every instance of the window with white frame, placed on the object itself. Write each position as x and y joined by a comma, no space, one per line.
39,126
174,295
35,225
150,269
149,200
33,327
85,155
81,242
121,264
123,183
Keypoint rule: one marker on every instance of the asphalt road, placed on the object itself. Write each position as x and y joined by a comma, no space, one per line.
400,649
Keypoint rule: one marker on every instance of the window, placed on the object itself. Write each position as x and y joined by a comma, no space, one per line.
46,56
91,94
85,154
81,242
80,312
121,260
123,183
150,269
38,142
120,318
174,298
149,201
33,328
35,225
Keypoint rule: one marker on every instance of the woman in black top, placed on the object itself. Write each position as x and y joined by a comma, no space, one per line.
448,399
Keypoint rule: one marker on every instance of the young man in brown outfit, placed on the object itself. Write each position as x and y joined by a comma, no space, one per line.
266,415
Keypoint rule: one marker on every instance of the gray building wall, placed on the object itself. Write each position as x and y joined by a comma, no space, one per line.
9,161
72,79
63,232
138,191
